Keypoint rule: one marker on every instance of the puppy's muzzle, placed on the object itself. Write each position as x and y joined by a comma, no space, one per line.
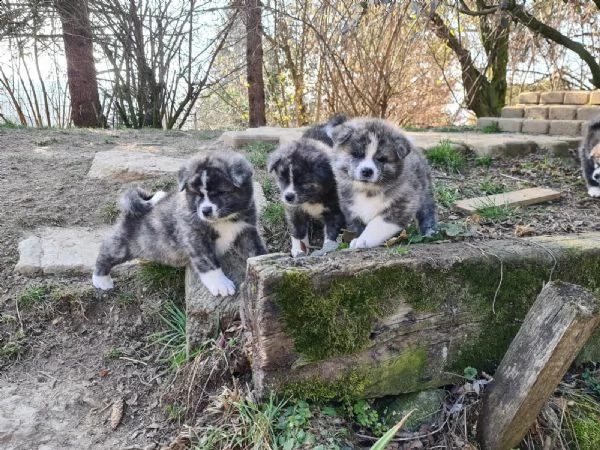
366,173
289,197
207,211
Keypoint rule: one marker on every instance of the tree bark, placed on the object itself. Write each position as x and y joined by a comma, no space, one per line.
254,61
81,69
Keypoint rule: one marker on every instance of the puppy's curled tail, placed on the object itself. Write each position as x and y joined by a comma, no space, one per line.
138,202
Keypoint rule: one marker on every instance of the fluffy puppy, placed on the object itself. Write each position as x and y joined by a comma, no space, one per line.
384,182
308,190
322,132
213,210
589,156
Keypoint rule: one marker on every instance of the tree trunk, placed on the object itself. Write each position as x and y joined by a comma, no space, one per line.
81,69
254,61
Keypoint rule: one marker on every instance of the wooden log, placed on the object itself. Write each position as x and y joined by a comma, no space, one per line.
553,332
521,197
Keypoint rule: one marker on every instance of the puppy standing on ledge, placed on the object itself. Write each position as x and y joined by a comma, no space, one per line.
589,155
213,210
384,182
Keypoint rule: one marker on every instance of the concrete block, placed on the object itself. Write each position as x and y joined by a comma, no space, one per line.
483,122
552,98
534,126
595,97
560,112
584,128
529,98
565,127
536,112
588,112
128,166
576,98
512,112
399,323
510,125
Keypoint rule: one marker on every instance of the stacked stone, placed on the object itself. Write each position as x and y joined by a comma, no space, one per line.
562,113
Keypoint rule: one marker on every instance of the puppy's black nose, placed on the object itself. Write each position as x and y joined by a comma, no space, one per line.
207,211
289,196
596,176
366,172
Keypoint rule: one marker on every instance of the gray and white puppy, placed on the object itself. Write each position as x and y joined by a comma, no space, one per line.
213,210
589,156
384,182
322,131
308,191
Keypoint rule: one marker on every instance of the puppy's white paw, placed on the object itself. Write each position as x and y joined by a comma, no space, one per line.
157,197
217,283
594,191
103,282
299,247
358,242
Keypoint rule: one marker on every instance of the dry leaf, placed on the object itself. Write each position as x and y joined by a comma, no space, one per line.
116,413
475,218
524,230
104,373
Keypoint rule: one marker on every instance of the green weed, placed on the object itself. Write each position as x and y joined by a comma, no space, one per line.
258,153
268,187
172,339
446,157
493,127
163,184
484,161
14,346
34,295
274,214
125,298
114,353
174,412
162,279
109,212
367,417
446,196
489,187
497,213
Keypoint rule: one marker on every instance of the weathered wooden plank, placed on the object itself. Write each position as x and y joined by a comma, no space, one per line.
528,196
555,329
380,322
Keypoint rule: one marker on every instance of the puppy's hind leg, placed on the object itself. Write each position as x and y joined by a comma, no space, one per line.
427,217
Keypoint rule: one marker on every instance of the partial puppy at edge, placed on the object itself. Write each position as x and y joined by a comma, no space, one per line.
213,210
589,156
384,181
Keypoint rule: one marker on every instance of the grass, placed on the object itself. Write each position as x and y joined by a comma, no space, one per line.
493,127
268,186
258,153
484,161
446,157
446,196
489,187
497,213
171,340
109,212
46,142
274,214
163,280
34,295
13,347
165,184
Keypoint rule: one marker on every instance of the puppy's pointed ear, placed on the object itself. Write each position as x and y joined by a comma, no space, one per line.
240,172
402,147
340,134
274,161
182,178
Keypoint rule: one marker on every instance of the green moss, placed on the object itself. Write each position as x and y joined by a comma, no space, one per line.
401,374
587,433
337,320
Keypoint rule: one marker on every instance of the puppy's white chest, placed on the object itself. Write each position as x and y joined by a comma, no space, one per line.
228,231
367,208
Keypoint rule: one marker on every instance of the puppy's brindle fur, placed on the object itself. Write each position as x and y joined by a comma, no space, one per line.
384,182
308,190
322,131
213,210
589,156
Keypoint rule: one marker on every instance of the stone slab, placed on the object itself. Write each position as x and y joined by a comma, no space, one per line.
552,98
529,98
512,112
588,112
510,125
576,97
483,122
238,139
562,112
530,196
536,112
565,127
595,97
375,322
60,251
535,126
129,166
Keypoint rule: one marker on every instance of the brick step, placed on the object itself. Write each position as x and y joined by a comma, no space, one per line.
573,128
551,112
560,98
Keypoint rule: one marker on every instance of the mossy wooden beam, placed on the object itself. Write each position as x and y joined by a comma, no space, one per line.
554,330
378,322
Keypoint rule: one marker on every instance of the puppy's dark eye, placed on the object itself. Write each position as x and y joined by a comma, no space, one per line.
357,153
382,159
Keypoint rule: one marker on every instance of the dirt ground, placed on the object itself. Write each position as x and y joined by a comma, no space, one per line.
58,390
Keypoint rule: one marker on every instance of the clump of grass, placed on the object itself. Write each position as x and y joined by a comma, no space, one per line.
492,127
174,412
34,295
268,187
163,184
488,187
274,214
446,157
258,153
125,298
114,353
484,161
109,212
48,297
497,213
14,346
46,142
162,279
171,340
446,196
